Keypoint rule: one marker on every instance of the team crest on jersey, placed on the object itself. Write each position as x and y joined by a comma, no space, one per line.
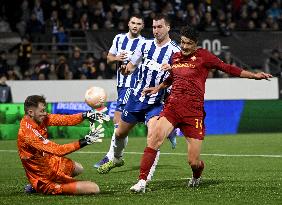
146,51
193,58
176,60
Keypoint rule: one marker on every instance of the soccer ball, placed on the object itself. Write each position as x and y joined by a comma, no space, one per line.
95,97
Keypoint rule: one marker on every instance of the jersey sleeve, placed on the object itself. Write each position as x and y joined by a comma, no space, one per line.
35,141
114,48
63,120
213,62
168,80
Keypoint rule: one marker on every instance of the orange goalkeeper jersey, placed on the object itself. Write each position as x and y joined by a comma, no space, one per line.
41,157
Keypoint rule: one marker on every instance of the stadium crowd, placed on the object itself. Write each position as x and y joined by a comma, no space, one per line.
56,18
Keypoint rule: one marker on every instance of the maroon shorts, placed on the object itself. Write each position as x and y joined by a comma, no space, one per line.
191,126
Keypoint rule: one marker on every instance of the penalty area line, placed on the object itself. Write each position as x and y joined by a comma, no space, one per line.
179,154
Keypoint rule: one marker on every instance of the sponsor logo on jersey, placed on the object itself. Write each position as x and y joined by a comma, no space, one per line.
184,65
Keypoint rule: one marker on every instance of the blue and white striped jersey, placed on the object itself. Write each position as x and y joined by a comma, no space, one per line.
122,43
149,57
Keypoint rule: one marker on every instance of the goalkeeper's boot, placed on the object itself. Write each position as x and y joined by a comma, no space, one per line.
101,162
172,138
29,189
105,168
140,187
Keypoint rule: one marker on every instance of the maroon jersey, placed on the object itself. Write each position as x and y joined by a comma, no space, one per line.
188,77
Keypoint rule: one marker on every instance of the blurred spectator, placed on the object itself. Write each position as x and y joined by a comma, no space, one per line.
62,39
274,11
5,90
84,22
4,26
38,11
4,67
68,21
24,54
52,24
62,68
52,74
44,65
34,28
76,62
12,74
273,64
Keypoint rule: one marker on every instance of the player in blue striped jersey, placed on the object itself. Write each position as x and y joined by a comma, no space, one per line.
148,58
123,46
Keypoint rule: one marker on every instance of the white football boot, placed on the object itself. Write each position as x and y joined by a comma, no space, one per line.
139,187
194,182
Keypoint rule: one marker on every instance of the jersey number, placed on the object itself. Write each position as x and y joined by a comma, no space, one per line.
198,123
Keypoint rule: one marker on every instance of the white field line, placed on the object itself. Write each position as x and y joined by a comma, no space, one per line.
180,154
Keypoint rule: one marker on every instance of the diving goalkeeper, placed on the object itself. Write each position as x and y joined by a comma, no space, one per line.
44,161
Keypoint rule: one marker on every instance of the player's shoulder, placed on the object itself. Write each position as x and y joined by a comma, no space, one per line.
174,45
149,40
203,51
176,56
120,35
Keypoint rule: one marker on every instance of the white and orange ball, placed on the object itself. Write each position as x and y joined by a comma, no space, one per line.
95,97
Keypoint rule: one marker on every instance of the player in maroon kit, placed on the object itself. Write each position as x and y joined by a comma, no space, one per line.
184,108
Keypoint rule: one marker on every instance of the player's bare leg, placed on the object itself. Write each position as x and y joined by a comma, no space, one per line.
80,187
120,143
151,125
197,166
110,155
155,139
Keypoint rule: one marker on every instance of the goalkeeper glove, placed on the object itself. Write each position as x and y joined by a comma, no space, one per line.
95,115
94,135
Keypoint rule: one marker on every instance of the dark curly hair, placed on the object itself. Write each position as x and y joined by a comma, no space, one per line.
190,32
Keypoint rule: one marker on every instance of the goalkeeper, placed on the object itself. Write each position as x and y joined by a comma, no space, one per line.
44,161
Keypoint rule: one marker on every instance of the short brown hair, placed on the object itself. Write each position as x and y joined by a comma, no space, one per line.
161,16
33,101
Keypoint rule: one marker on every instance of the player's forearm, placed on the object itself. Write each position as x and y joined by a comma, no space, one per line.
163,85
111,59
247,74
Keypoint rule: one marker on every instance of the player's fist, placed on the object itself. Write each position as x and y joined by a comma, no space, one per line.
166,67
150,91
95,115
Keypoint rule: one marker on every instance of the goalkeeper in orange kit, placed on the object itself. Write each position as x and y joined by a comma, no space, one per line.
44,161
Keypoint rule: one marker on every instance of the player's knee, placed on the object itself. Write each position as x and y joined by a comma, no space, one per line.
193,162
95,188
155,140
78,169
120,133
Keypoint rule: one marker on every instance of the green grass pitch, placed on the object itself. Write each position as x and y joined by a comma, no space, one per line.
240,169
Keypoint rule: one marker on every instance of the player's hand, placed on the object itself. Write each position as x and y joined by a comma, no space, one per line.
123,70
262,75
95,115
95,134
150,91
166,67
122,57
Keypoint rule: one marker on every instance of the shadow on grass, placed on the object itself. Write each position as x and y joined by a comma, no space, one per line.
134,168
181,184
